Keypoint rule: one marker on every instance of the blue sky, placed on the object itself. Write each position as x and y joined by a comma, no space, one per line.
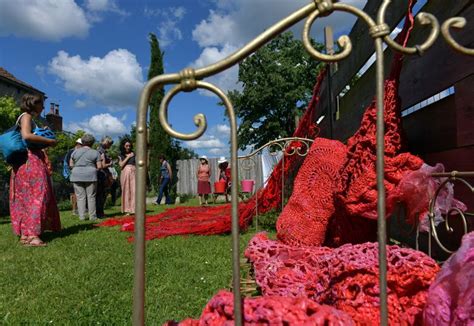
92,56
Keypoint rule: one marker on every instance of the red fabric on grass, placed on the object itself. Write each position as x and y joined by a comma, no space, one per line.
345,277
269,310
217,220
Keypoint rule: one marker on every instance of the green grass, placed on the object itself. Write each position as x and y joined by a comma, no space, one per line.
85,275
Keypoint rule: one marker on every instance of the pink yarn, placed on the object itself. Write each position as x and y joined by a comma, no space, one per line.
417,188
345,278
451,296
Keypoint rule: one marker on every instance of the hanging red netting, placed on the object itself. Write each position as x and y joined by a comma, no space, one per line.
345,278
270,310
343,187
217,220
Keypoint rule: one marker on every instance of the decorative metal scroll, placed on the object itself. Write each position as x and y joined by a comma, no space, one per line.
190,79
285,146
459,214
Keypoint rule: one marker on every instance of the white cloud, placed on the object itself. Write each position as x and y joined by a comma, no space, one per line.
206,142
97,7
50,20
234,23
218,151
168,30
223,129
205,33
114,81
80,104
99,125
226,80
214,143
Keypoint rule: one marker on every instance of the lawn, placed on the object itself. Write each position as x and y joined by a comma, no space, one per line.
85,275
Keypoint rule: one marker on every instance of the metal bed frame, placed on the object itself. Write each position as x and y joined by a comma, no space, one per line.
190,79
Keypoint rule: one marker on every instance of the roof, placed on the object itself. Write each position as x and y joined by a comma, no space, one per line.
4,74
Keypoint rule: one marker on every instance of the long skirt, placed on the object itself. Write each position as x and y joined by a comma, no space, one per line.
127,182
33,207
204,187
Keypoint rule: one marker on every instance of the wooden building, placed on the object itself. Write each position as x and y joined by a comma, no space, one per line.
436,90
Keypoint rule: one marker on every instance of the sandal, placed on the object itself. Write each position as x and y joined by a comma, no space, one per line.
34,242
24,239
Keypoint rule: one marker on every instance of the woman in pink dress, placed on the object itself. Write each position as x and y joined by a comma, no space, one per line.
203,175
127,177
33,208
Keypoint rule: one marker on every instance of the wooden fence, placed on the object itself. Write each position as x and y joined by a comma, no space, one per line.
187,179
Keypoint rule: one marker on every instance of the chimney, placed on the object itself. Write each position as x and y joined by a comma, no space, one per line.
55,121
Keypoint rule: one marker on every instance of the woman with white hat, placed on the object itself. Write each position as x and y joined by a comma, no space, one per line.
203,175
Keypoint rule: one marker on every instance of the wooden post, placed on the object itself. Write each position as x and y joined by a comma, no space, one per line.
329,43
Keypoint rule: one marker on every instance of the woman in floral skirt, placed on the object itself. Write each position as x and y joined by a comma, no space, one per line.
33,208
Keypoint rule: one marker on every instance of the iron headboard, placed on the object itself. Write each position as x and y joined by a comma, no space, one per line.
190,79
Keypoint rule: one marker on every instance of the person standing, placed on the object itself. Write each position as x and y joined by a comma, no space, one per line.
104,177
166,175
225,175
204,176
33,207
85,162
127,177
67,161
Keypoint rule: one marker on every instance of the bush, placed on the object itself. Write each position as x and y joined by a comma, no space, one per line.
267,221
65,205
183,198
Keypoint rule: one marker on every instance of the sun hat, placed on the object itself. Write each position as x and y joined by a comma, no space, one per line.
221,160
79,141
203,157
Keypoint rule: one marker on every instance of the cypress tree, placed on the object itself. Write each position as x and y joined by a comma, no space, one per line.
159,140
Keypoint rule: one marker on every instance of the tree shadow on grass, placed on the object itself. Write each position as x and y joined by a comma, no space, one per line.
119,214
4,220
48,236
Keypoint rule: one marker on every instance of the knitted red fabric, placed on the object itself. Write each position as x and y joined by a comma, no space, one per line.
270,310
358,189
351,190
345,278
306,215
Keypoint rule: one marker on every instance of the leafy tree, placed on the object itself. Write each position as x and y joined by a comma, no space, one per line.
9,112
277,82
159,140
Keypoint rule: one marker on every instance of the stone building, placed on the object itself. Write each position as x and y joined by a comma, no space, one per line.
12,86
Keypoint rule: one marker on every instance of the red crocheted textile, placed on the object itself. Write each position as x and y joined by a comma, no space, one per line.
306,215
269,310
358,189
180,221
342,189
345,278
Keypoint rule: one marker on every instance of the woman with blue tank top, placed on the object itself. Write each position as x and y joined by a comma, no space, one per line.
165,178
